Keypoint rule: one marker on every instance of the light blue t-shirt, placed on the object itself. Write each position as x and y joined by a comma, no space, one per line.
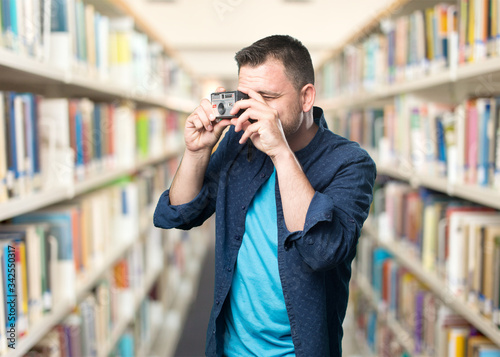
257,323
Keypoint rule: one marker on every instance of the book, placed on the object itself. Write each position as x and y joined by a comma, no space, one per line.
31,140
90,36
488,352
11,279
457,342
474,341
431,216
379,256
459,261
61,228
72,325
120,57
489,271
102,46
56,156
60,37
33,239
476,226
496,283
3,311
3,151
88,327
22,288
453,37
485,133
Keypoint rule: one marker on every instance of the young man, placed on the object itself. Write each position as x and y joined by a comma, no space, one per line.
289,212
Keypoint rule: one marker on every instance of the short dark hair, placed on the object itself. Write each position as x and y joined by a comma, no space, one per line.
289,51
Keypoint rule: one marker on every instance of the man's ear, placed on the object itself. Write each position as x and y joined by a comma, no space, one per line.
307,97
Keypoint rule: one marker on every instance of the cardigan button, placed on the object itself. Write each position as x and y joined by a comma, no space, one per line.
262,175
237,237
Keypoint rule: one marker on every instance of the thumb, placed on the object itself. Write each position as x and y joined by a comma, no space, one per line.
221,126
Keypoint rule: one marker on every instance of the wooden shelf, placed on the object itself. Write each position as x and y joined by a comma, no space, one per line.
482,195
34,201
438,287
40,329
22,73
450,86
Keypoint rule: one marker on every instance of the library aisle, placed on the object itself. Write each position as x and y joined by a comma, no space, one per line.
193,336
94,95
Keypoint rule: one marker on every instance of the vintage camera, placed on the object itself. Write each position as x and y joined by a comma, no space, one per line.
223,102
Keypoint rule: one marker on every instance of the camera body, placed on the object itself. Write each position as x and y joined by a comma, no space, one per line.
223,102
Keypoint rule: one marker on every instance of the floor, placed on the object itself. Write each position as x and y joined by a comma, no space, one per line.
192,341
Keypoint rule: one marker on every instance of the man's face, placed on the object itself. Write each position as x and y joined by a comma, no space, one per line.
270,81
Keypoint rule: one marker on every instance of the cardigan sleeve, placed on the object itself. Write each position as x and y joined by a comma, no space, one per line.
336,215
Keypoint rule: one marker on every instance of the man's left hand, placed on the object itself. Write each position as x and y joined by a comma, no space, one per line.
260,123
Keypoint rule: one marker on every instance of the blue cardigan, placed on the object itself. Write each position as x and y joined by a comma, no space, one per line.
315,263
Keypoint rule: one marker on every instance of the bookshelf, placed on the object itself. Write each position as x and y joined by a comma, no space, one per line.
401,335
482,195
409,86
130,104
84,286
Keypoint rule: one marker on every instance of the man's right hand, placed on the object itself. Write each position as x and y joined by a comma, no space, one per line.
202,132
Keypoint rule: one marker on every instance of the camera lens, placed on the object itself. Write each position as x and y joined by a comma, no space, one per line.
221,109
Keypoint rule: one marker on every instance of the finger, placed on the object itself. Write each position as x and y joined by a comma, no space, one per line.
221,125
253,114
207,108
198,123
220,89
203,117
191,119
252,94
247,103
244,120
249,131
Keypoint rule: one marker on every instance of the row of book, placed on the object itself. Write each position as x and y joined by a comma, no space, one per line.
415,45
74,36
46,142
57,246
460,143
432,329
457,240
57,249
88,330
119,216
